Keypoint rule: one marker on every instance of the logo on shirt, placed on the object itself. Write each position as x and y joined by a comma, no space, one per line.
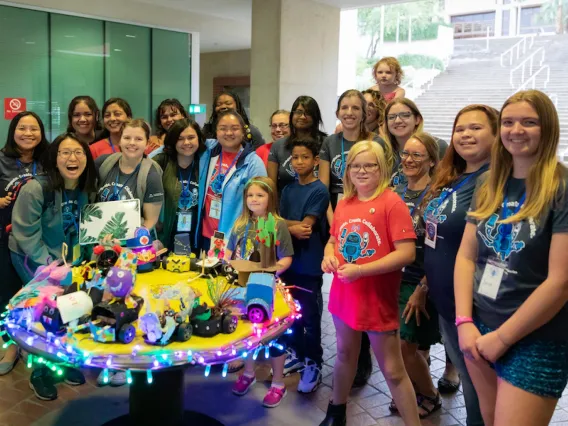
107,192
337,165
287,165
435,208
501,237
354,242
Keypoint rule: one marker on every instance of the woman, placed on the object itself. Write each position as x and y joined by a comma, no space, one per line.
364,291
305,124
20,161
116,112
279,128
511,270
227,100
184,143
449,198
376,106
46,215
403,119
83,115
419,321
167,113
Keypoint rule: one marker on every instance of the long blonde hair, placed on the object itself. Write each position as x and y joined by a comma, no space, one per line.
375,148
546,175
267,186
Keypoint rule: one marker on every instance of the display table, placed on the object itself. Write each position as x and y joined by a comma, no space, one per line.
157,372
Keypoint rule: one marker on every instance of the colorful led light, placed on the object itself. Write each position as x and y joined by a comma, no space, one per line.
207,370
128,377
225,370
149,377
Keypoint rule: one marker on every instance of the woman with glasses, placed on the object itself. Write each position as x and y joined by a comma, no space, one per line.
305,124
46,215
279,128
403,119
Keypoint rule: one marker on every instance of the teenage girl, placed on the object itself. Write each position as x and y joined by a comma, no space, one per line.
376,104
116,112
388,74
511,271
167,113
84,115
260,199
279,128
372,239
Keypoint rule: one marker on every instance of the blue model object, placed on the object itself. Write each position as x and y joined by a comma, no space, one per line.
261,287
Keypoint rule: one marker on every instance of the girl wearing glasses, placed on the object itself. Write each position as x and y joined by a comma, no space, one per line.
83,115
279,128
447,202
372,239
46,215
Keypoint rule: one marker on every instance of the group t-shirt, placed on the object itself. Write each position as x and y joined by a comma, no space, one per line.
120,186
70,216
103,147
189,194
524,251
439,262
398,177
298,201
366,231
242,241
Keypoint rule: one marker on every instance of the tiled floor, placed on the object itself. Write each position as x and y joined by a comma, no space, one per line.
90,406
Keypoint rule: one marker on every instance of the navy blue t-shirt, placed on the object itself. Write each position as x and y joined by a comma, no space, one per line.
439,262
296,202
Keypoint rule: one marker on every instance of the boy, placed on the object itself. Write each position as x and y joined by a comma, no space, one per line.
303,204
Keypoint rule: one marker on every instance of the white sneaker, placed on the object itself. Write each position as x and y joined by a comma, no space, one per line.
118,379
101,380
310,377
292,363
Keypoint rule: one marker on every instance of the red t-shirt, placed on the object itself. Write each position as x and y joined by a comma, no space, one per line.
103,147
366,231
210,225
263,151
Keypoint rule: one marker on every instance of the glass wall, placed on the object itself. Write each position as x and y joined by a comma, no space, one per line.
49,58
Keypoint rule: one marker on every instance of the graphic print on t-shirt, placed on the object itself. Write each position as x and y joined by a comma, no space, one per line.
354,239
287,165
107,192
189,196
337,163
435,209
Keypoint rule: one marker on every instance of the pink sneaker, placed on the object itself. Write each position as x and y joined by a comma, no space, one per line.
243,385
274,397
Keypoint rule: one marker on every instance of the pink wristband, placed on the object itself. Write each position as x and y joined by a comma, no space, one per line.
463,320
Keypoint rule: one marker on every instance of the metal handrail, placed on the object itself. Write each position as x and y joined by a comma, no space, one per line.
522,64
533,79
517,46
554,98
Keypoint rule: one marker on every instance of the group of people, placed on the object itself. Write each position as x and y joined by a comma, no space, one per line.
427,242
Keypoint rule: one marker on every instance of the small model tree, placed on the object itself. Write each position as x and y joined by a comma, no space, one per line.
267,237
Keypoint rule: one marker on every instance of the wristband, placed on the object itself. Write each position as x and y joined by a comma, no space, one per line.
463,320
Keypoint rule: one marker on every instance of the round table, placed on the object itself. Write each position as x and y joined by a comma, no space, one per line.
156,373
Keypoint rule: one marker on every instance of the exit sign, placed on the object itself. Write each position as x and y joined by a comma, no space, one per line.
197,108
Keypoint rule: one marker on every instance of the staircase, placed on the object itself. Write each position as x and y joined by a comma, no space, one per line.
475,75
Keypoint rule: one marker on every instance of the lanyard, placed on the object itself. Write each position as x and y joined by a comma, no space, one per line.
244,242
34,167
417,203
117,192
111,145
66,199
516,209
184,195
342,158
445,194
222,175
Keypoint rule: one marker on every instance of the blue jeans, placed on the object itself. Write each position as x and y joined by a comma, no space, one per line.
451,343
19,261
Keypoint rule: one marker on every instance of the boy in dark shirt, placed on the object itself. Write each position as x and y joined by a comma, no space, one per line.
303,204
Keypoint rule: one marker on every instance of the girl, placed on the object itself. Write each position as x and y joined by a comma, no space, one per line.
279,128
372,239
375,111
388,74
83,115
184,143
167,113
305,124
448,200
116,112
511,270
419,159
20,161
46,215
259,199
403,119
127,175
227,100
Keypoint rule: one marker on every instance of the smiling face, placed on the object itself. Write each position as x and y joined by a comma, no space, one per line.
301,119
364,172
230,133
401,121
119,281
372,113
83,119
520,130
225,102
114,117
28,134
472,137
384,76
280,128
133,142
188,142
71,160
351,113
257,200
417,162
169,116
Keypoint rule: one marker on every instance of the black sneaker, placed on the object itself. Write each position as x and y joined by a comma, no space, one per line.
42,384
74,377
364,369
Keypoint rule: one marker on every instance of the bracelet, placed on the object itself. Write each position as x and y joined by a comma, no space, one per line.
501,338
463,320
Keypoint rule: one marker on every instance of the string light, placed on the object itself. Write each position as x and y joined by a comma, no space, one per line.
207,370
128,377
255,354
225,370
267,352
30,360
105,375
149,377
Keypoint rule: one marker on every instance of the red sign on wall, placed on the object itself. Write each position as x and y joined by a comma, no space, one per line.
13,106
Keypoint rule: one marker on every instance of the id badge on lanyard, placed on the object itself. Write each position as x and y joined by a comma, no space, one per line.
492,277
431,232
215,208
184,222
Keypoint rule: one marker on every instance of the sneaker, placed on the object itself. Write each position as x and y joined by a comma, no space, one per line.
42,384
101,378
274,397
243,384
74,377
118,379
310,378
292,363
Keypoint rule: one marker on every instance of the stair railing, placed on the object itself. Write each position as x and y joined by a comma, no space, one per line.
514,52
529,60
532,79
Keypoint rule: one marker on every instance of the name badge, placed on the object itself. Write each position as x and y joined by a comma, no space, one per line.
491,279
215,209
431,233
184,222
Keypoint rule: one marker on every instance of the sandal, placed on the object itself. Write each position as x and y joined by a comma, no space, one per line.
429,404
446,386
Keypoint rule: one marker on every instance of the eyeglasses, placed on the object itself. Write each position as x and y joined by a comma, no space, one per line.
402,115
299,113
416,156
368,168
279,126
79,153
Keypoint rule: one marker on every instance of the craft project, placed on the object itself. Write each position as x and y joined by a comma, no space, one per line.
177,263
217,249
119,219
210,321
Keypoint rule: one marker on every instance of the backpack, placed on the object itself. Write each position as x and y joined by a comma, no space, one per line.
145,167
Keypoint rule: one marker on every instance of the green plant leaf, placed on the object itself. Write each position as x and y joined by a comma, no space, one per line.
86,239
115,227
90,211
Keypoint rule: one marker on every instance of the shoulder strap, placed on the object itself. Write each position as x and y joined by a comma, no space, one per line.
107,165
48,193
141,184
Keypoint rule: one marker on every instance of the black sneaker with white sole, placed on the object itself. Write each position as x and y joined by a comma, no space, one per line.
42,383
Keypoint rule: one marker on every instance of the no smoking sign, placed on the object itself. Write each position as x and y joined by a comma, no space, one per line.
13,106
